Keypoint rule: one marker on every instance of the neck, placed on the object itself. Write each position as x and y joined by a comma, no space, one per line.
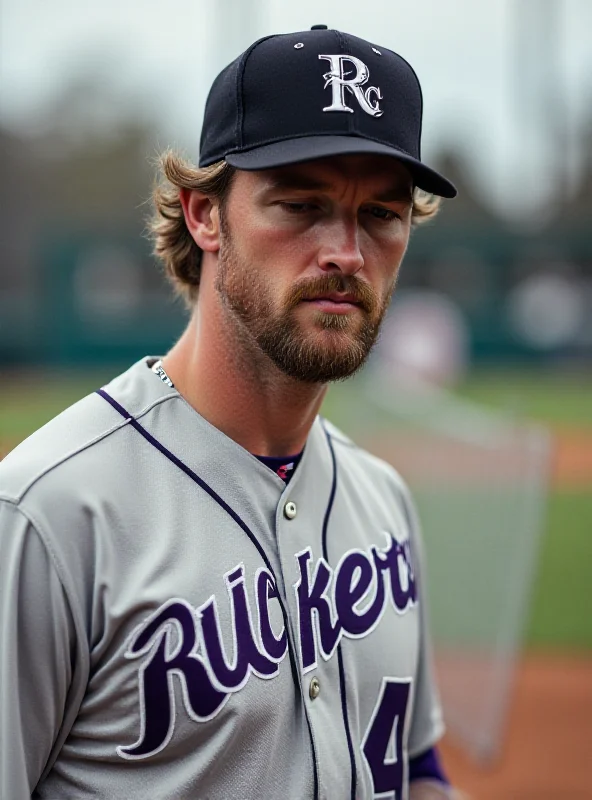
239,391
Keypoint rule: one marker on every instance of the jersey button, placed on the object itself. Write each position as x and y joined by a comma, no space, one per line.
314,689
290,510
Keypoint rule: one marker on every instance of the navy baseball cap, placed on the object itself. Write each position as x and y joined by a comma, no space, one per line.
296,97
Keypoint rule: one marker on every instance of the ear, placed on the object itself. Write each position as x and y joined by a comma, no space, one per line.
202,219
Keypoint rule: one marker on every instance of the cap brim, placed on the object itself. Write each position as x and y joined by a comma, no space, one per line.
310,148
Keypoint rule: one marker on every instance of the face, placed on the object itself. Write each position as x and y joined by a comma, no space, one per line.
308,260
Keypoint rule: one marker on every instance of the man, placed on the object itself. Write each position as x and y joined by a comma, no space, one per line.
207,591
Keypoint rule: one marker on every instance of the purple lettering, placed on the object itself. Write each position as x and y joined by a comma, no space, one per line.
348,601
396,560
353,579
247,657
312,600
157,700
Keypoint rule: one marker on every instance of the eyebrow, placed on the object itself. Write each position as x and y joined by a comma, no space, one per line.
288,180
298,182
395,193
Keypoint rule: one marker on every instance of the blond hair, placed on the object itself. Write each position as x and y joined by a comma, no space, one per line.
172,242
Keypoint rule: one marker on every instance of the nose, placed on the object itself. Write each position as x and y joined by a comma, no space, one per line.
340,251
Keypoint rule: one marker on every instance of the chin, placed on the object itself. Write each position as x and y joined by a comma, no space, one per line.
345,324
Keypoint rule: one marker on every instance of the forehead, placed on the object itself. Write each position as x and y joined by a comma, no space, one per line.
370,173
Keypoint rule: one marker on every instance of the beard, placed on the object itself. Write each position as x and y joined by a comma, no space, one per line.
336,347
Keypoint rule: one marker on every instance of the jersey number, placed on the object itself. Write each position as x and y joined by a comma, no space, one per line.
386,737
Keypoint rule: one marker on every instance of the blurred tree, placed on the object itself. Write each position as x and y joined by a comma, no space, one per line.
97,159
468,207
20,203
578,209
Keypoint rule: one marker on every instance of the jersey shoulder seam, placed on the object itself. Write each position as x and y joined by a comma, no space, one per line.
67,456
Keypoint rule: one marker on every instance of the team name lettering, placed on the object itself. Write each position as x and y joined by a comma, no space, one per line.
178,640
350,600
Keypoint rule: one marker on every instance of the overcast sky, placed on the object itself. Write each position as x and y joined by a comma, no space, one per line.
500,103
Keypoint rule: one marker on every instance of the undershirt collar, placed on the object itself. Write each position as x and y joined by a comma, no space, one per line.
283,466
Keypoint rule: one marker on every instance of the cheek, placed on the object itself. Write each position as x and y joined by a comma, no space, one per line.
383,256
275,251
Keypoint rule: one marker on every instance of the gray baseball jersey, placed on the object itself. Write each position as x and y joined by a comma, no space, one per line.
176,622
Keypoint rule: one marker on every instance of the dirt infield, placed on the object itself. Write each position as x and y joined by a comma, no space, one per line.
422,456
572,459
547,745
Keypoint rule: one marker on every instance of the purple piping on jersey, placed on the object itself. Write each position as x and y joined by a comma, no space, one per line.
190,473
215,496
342,689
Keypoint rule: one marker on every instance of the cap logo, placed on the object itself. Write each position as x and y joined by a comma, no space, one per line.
339,80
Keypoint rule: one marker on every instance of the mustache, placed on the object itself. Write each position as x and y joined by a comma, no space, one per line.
308,289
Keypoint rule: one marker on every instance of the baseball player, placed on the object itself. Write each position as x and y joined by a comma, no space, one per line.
207,590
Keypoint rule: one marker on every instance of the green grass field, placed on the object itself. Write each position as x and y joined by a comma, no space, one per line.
557,398
560,610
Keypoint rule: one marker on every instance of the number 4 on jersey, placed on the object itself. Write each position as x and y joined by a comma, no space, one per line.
386,739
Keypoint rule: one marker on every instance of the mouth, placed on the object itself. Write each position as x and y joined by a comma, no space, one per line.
334,302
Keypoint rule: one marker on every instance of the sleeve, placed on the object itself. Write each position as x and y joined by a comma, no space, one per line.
427,766
37,647
427,724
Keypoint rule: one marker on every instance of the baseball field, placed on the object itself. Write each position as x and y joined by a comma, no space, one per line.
546,747
550,722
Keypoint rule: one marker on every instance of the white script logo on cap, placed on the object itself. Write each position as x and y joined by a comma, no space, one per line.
339,81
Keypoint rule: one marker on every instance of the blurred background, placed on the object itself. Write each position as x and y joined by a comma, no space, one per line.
481,389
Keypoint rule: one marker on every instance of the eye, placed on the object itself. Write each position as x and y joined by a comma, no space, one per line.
382,214
298,208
